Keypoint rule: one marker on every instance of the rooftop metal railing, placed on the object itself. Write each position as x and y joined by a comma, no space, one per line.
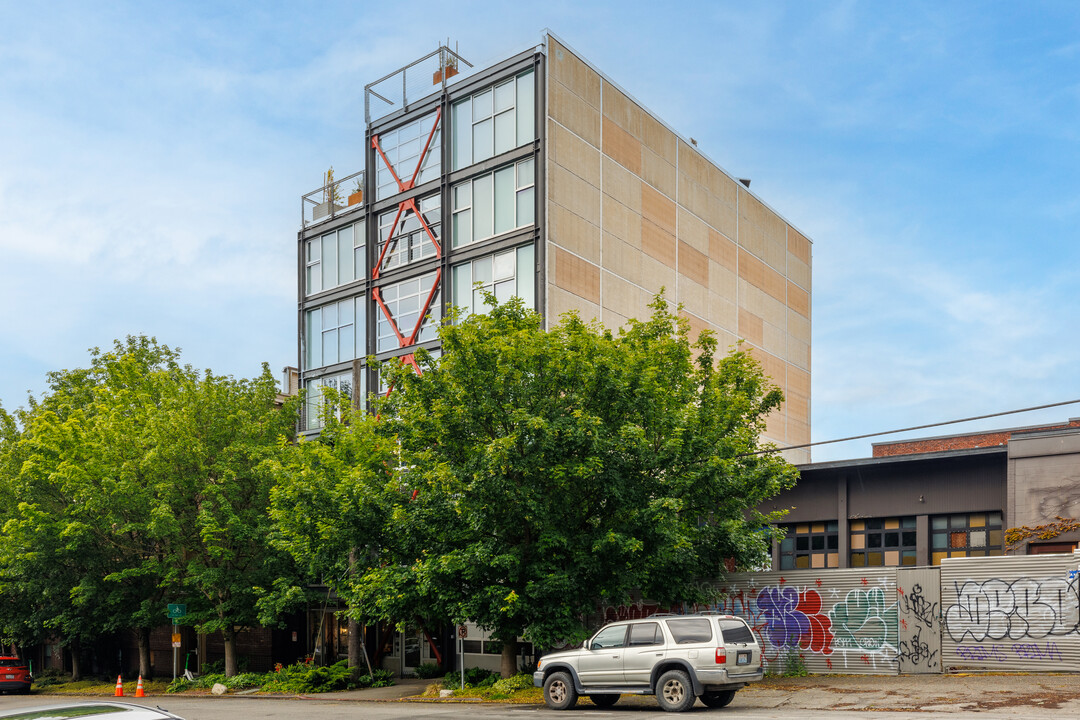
411,83
334,198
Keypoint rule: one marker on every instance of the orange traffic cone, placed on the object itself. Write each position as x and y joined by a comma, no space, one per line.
119,687
138,689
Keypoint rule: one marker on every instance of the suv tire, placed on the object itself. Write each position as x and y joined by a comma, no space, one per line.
559,692
674,693
604,701
718,699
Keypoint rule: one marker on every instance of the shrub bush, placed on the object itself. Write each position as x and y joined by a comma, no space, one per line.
427,670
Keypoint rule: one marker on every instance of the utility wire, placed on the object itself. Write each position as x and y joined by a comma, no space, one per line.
916,427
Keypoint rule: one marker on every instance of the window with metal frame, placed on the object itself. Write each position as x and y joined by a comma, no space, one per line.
883,542
966,535
810,545
314,399
334,333
494,120
334,259
405,303
410,241
402,148
504,274
494,203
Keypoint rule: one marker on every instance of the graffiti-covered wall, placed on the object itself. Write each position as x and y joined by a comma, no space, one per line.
1011,613
1007,613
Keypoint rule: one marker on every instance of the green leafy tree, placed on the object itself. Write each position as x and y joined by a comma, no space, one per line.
333,503
141,481
559,470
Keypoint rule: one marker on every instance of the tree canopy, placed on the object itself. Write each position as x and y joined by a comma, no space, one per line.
559,470
136,482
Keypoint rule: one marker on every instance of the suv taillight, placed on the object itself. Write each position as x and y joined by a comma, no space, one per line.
721,656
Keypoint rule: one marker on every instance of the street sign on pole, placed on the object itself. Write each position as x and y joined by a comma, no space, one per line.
177,611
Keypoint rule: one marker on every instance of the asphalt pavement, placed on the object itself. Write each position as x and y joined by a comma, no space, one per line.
856,696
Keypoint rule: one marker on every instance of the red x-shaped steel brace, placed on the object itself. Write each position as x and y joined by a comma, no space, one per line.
405,206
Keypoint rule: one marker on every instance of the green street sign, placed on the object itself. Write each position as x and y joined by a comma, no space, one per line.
177,610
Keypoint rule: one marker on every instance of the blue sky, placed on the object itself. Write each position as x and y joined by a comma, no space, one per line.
153,155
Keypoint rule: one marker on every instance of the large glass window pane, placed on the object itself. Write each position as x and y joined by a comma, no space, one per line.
462,196
329,347
329,261
314,278
462,119
504,290
313,340
462,284
462,228
503,266
526,276
481,105
526,173
329,316
482,270
483,140
504,96
483,211
526,207
345,255
505,132
526,121
346,342
504,200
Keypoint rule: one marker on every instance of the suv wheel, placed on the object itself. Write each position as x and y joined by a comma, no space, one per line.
674,693
559,692
718,699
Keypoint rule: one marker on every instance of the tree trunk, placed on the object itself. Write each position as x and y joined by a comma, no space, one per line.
509,657
76,666
229,634
355,643
355,640
143,639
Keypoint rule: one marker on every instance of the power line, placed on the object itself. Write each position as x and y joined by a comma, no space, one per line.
917,427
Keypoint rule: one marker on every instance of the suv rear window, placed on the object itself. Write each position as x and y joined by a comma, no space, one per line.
645,634
736,631
690,630
11,662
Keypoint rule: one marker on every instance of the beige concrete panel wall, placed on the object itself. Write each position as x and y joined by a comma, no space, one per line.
657,276
693,265
723,281
574,233
621,222
573,153
622,185
576,275
658,243
560,301
624,298
666,217
622,259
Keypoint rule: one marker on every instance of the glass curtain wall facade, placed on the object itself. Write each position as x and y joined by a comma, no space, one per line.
451,199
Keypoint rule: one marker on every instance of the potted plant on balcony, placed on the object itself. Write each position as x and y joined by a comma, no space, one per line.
331,197
357,195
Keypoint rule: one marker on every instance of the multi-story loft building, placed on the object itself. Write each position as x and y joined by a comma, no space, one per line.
539,177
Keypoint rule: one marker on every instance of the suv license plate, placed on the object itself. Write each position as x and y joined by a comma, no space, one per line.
743,658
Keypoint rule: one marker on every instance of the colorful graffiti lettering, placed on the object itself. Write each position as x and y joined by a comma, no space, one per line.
863,620
795,618
1023,608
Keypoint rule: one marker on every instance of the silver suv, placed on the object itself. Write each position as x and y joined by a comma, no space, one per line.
675,657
